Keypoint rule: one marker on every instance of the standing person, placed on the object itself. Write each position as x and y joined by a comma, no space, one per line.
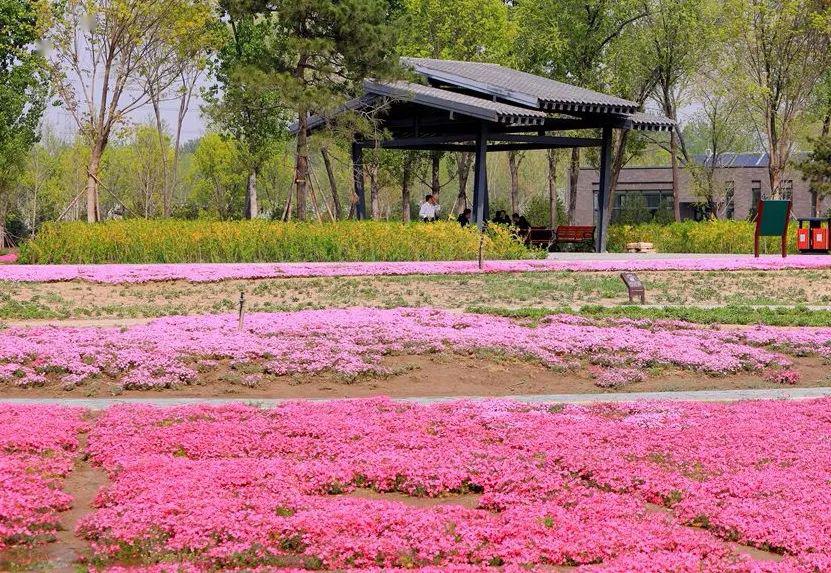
464,217
427,211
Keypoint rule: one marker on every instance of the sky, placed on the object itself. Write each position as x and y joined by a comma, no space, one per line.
61,123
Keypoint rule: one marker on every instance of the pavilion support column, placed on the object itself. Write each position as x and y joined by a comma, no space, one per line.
480,177
358,179
603,190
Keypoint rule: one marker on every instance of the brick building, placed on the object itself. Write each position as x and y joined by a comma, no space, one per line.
744,177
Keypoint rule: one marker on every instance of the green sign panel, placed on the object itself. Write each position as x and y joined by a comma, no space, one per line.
774,218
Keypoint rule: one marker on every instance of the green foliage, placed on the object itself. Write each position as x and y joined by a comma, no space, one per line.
22,89
816,169
170,241
537,211
633,210
218,177
712,236
477,30
730,314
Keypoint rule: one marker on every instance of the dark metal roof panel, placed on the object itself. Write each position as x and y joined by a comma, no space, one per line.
519,87
651,122
456,102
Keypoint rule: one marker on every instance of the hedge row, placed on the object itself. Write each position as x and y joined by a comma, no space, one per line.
716,236
175,241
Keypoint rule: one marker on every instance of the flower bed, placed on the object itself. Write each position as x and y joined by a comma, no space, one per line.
646,487
171,351
37,446
121,274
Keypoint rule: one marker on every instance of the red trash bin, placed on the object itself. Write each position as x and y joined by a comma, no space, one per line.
819,239
803,239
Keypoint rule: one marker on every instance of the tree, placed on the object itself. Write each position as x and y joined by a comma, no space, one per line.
783,48
319,51
470,30
244,104
101,51
570,40
816,169
681,35
23,91
721,125
217,175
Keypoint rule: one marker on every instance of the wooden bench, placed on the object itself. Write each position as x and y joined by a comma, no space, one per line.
550,238
576,234
540,237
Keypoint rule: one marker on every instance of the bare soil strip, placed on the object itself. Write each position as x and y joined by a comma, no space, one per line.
443,374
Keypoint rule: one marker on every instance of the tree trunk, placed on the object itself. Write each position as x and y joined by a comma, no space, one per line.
435,171
160,132
617,167
573,176
374,199
301,172
463,163
513,168
406,177
333,186
93,216
552,187
252,210
676,191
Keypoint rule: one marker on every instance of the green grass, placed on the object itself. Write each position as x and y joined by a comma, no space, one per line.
733,314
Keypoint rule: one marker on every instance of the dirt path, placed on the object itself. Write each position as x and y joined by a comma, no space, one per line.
428,375
69,551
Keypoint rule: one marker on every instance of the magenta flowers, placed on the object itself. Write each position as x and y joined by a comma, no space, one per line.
648,487
123,273
171,351
37,446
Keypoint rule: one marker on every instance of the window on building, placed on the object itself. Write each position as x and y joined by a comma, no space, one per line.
729,199
640,205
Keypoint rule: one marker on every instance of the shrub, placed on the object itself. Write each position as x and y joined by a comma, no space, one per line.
177,241
537,211
714,236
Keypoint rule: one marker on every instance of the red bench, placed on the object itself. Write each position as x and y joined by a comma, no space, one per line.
550,238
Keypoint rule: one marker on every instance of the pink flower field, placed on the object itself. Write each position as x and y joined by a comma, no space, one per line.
637,487
378,485
37,447
206,272
172,351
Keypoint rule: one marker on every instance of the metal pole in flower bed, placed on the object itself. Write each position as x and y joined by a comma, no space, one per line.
241,310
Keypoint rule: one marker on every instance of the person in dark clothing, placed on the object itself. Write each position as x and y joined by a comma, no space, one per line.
501,218
464,217
521,223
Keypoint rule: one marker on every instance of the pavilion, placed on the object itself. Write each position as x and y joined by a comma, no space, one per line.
480,108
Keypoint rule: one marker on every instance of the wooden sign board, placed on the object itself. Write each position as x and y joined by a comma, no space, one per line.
772,218
635,286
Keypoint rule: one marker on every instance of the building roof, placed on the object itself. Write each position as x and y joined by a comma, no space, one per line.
651,122
519,87
498,94
456,102
742,159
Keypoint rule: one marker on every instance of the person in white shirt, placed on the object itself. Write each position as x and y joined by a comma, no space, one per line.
429,210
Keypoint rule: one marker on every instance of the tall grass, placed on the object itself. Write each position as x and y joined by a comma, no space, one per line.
734,237
175,241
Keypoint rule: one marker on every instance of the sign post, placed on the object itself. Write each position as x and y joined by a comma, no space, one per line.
772,221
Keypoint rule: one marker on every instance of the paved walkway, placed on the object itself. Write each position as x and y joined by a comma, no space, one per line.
574,257
698,396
